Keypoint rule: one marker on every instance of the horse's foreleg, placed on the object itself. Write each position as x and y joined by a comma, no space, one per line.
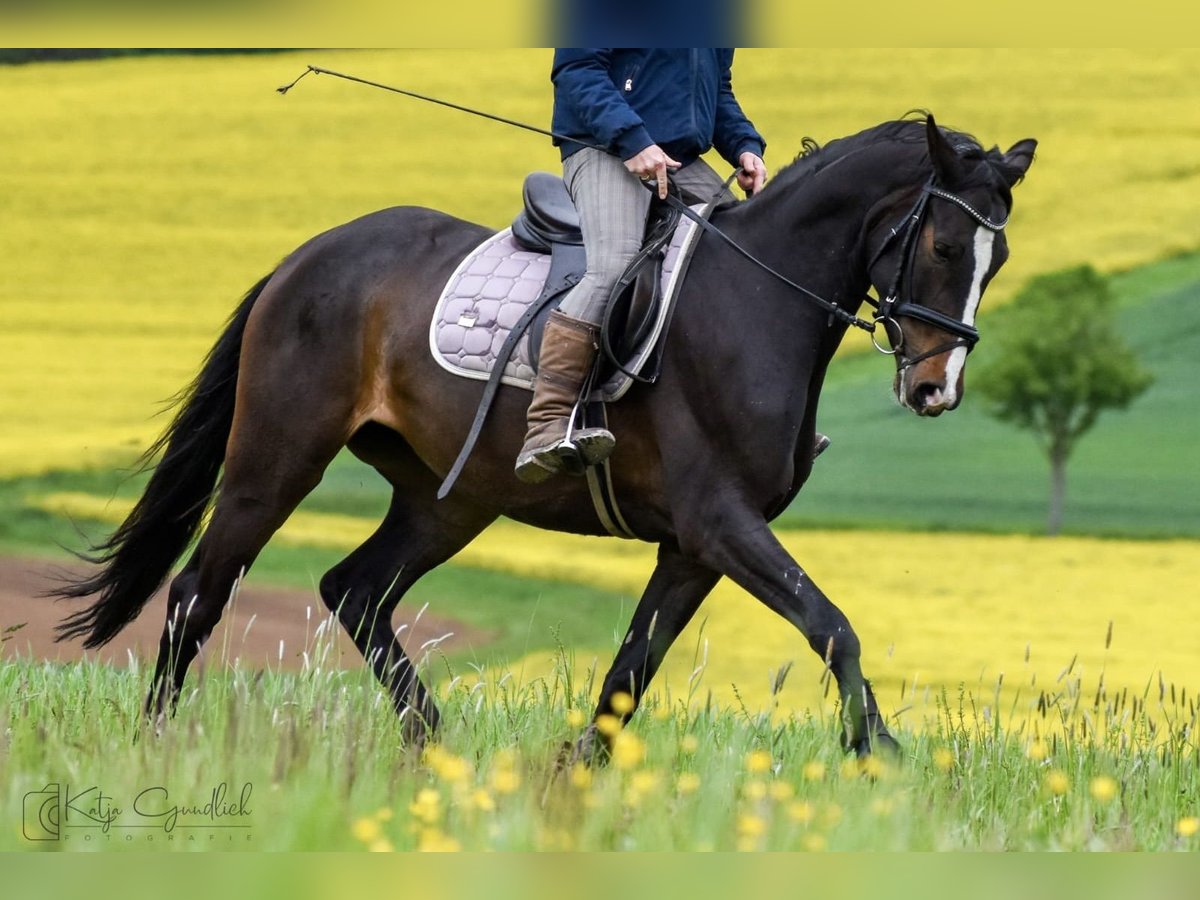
745,549
671,598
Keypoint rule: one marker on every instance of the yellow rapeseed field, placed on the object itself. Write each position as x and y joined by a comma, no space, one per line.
140,198
1001,619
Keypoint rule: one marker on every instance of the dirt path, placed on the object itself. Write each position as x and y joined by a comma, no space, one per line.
279,614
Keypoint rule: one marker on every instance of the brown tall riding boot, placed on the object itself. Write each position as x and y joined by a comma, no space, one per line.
568,350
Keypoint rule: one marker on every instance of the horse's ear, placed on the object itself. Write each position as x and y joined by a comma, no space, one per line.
947,165
1018,159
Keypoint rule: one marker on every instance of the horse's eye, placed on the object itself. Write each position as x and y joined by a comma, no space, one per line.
946,252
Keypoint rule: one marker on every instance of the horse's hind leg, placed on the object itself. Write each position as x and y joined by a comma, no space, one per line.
674,593
272,463
419,533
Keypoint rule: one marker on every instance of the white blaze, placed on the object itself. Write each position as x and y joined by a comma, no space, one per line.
958,356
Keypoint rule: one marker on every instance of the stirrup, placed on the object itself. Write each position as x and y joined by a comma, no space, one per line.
598,440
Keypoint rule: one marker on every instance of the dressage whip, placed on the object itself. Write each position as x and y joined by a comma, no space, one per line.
832,308
317,70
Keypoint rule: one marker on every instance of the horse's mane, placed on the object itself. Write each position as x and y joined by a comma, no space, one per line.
910,129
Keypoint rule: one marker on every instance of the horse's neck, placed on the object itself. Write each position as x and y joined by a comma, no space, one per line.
813,229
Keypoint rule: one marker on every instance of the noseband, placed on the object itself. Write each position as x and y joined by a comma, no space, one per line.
892,307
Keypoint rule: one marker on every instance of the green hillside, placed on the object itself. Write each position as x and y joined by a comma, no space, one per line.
1134,475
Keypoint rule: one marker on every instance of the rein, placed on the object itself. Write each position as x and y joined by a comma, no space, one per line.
832,308
891,308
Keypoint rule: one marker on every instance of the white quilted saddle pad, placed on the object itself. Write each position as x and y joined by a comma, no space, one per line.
492,288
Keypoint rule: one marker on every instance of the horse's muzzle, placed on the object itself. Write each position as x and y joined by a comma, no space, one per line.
925,397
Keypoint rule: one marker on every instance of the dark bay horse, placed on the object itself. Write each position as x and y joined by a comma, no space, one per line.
331,350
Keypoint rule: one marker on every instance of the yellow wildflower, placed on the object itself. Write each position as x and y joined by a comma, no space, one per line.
608,724
621,703
581,776
1102,788
689,743
641,783
453,769
434,840
781,790
814,843
1057,783
383,845
801,811
1038,750
872,766
1187,826
751,826
505,780
644,781
687,783
427,806
814,771
943,758
576,717
755,790
758,762
366,829
628,751
482,800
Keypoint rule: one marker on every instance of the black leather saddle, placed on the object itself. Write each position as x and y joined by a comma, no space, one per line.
549,223
549,216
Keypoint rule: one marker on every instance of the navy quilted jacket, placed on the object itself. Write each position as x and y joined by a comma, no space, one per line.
626,99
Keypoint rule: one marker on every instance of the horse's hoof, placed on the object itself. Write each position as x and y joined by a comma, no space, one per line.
417,726
589,750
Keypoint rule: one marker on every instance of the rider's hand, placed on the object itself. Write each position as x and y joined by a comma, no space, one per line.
651,164
753,173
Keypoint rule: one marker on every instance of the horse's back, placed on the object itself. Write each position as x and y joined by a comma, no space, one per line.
410,239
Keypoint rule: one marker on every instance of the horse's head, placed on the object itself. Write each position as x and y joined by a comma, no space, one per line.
933,253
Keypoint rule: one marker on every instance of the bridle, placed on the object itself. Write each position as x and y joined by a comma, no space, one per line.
899,302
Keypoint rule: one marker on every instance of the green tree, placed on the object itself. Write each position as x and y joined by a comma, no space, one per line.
1056,361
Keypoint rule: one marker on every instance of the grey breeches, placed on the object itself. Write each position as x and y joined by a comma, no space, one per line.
612,206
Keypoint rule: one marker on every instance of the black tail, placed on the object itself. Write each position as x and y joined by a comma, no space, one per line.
138,556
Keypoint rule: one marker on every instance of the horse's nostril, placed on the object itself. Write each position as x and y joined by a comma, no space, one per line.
928,394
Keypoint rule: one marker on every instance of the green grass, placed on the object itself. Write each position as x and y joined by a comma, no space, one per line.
327,769
1132,476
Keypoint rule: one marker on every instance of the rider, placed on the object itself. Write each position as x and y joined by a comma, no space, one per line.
653,110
